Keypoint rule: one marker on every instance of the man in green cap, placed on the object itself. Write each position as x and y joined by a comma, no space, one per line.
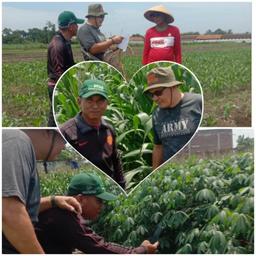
176,117
60,231
90,134
93,42
60,56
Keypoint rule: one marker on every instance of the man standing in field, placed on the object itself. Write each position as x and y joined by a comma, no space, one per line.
93,42
61,231
90,134
177,116
60,56
21,200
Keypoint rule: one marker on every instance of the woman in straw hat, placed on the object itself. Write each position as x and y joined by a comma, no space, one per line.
162,42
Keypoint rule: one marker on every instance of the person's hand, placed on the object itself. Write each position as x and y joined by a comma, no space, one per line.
117,39
151,248
68,203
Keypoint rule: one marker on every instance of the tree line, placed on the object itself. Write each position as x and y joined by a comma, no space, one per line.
44,35
33,35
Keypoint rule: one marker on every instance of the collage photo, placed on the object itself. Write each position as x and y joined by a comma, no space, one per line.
127,128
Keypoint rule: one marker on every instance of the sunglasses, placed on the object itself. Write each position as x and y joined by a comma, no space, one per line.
157,93
101,16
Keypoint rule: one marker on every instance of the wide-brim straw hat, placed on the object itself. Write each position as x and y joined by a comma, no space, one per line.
161,9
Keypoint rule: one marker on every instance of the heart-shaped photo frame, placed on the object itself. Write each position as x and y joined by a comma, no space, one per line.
109,121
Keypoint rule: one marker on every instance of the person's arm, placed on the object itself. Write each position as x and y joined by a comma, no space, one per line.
104,45
63,202
90,242
157,157
18,228
146,49
177,47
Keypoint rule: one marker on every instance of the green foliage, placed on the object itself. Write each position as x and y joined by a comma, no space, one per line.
220,68
245,143
25,96
56,183
32,35
129,110
194,204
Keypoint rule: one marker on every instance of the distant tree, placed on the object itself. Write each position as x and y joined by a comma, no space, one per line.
191,33
208,32
139,35
33,35
245,144
219,31
230,31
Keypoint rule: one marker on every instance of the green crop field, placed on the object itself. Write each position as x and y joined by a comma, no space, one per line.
201,206
224,70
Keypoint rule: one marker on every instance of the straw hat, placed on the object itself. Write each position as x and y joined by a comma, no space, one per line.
161,9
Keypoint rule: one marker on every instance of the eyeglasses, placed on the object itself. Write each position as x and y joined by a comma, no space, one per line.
157,93
101,16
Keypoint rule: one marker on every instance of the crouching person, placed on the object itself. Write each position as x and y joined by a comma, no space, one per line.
61,231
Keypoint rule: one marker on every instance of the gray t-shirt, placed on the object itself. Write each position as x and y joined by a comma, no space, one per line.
88,35
19,174
173,127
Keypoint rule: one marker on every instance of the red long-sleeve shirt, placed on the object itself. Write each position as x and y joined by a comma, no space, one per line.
164,45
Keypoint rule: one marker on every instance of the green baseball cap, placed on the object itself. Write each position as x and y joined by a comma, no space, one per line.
89,184
66,18
93,87
161,77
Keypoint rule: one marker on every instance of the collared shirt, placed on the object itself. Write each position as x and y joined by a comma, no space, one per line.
97,144
62,231
59,58
88,35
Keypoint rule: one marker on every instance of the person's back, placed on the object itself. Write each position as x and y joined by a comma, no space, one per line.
59,57
60,231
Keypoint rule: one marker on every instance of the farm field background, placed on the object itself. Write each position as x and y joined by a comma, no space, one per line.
199,206
224,70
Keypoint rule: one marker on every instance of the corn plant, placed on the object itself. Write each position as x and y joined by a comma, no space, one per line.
129,110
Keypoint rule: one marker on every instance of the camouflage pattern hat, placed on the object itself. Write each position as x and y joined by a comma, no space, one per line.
95,10
161,77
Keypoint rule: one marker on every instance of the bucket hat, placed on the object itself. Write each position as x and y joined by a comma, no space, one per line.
95,10
93,87
161,77
89,184
66,18
160,9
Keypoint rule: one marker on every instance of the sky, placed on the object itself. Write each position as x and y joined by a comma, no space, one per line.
127,18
